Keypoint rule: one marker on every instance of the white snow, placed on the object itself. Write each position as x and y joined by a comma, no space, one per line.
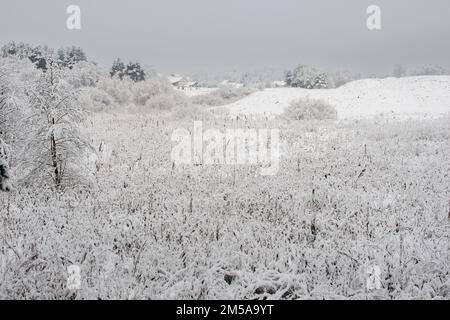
412,96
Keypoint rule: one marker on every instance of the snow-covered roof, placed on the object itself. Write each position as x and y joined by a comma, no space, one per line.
191,83
173,79
279,83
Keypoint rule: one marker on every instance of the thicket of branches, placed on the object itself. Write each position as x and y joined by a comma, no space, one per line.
40,119
55,144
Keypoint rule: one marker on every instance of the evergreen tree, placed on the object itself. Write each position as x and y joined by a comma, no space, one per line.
67,57
118,69
135,72
37,55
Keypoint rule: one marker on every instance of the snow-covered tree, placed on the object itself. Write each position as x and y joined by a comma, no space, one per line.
5,174
430,70
22,50
55,145
307,77
84,74
118,68
39,56
68,57
132,70
135,72
4,154
3,103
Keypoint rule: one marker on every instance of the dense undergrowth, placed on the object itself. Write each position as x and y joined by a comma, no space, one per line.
348,196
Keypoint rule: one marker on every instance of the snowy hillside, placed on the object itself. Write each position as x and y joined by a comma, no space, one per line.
425,96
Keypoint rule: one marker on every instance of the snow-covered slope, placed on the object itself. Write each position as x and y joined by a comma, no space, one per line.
412,96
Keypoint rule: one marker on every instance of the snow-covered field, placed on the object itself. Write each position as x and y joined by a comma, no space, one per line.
353,200
350,196
425,96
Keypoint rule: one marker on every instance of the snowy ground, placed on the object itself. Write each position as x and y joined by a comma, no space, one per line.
350,197
146,230
425,96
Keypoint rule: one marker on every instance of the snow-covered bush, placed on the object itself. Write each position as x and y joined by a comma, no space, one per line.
309,109
340,78
190,111
150,88
84,74
307,77
223,95
15,75
209,99
126,92
161,102
430,70
234,93
118,90
95,99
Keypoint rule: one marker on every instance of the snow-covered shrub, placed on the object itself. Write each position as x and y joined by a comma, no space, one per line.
234,93
209,99
340,78
190,111
150,88
84,74
430,70
161,102
309,109
118,90
126,92
15,76
95,99
307,77
223,95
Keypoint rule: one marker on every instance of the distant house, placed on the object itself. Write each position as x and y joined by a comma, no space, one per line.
181,82
192,84
279,84
175,79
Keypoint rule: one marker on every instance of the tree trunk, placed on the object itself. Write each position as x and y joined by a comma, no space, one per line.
55,158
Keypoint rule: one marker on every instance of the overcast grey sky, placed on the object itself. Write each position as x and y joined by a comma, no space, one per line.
201,35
